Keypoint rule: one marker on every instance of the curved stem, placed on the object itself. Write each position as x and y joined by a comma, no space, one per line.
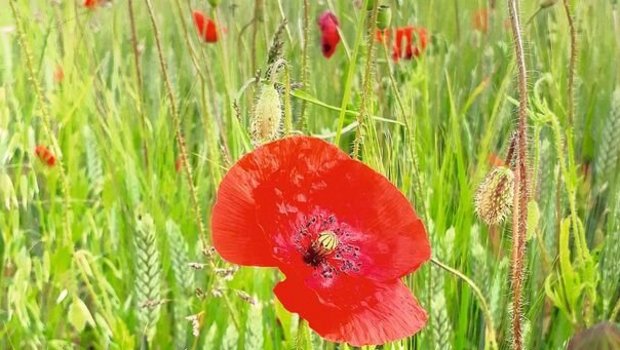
177,126
484,306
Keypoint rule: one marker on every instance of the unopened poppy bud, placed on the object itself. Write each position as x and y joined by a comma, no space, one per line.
214,3
384,17
493,200
267,115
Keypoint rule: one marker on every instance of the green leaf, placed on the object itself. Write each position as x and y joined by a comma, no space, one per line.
79,315
533,216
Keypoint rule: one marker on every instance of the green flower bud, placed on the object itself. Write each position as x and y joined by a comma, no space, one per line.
384,17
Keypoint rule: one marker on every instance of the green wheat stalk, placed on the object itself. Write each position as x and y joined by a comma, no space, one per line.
147,286
182,281
606,160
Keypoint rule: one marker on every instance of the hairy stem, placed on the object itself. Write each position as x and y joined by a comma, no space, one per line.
303,121
367,84
571,65
519,217
45,112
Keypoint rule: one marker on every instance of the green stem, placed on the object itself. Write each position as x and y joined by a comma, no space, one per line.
350,73
484,306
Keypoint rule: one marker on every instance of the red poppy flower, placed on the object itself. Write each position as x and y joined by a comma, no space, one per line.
495,160
330,37
45,155
91,4
327,19
206,27
409,41
178,164
59,74
341,233
480,20
415,39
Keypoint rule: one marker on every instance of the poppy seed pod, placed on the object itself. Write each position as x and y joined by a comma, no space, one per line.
214,3
493,200
370,4
384,17
267,115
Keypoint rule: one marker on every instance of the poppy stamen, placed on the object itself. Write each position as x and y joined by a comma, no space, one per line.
326,243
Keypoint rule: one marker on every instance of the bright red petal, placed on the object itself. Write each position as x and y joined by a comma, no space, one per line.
90,3
393,241
275,173
329,41
327,19
372,314
205,26
267,195
210,34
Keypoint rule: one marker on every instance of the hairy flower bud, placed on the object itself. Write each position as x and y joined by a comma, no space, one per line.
493,200
267,115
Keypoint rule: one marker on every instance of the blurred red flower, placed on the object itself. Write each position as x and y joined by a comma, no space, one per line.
45,155
495,160
480,20
178,164
330,37
59,74
341,233
91,4
409,41
206,27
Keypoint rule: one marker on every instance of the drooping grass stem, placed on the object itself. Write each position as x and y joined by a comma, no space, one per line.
484,306
177,126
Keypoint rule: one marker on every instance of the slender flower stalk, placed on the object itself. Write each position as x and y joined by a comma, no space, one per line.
571,65
177,126
303,122
367,84
484,305
519,213
45,112
139,80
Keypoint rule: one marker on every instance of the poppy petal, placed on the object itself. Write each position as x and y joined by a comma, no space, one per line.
392,240
329,41
299,175
276,172
374,314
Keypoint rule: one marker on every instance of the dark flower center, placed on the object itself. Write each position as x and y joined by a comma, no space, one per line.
326,245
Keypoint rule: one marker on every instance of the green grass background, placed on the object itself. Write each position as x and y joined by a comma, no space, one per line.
131,224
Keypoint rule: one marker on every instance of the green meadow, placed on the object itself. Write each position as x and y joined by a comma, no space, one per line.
110,247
